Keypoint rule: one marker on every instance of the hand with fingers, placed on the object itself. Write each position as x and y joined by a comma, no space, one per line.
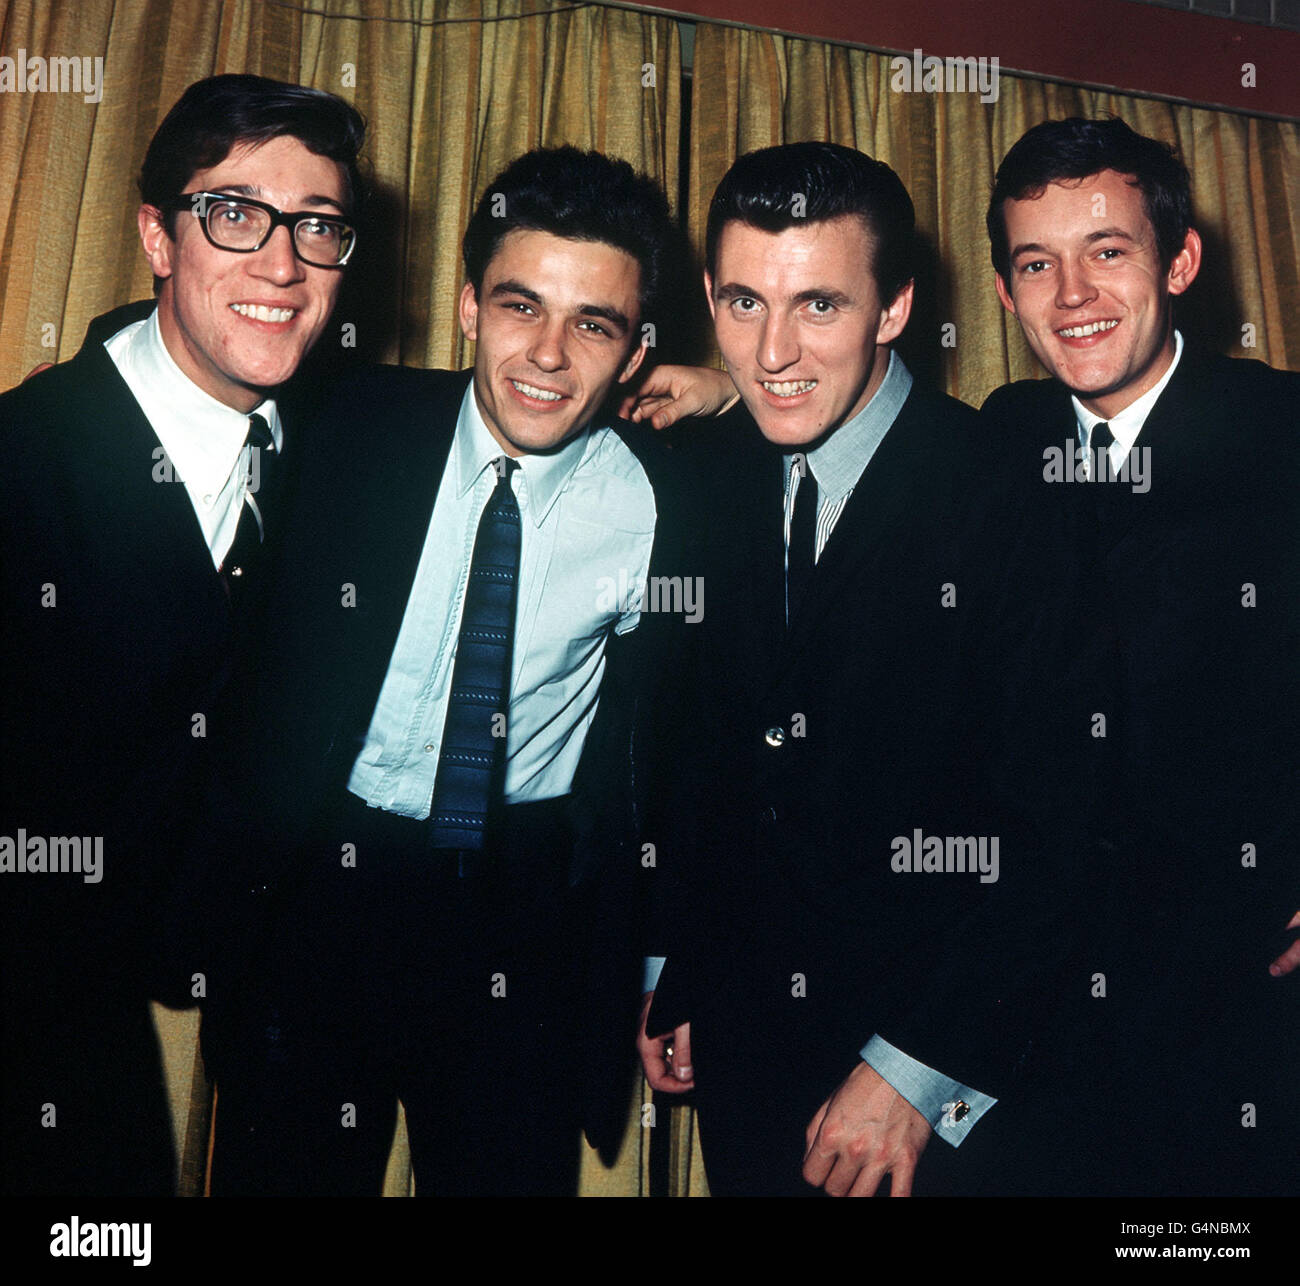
1290,958
666,1058
669,393
864,1131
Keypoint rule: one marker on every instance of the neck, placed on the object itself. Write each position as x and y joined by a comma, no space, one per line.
1109,405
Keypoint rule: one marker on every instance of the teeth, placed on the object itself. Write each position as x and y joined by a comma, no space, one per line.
541,394
1078,332
788,388
260,312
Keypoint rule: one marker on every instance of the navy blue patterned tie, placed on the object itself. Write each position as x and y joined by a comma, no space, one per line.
469,784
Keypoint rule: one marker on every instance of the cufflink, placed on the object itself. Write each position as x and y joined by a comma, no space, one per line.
955,1113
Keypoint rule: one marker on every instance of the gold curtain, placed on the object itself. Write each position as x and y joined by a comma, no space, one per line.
453,90
752,89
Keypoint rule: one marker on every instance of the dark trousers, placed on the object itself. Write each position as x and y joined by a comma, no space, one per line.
397,977
83,1110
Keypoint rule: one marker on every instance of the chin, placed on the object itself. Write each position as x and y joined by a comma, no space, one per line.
531,443
266,369
1087,383
789,433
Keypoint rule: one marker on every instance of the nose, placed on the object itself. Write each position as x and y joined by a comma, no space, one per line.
777,344
549,351
276,261
1074,286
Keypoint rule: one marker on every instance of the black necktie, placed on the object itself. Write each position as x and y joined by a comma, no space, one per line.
246,548
1100,441
801,557
471,760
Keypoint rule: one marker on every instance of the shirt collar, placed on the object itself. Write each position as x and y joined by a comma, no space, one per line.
204,438
544,476
838,462
1128,423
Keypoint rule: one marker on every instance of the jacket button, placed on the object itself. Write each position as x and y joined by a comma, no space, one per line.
774,736
767,814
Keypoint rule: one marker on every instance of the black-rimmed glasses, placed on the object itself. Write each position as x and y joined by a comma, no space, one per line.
242,225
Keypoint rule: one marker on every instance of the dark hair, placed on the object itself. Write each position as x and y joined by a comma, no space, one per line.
584,196
777,188
219,113
1077,149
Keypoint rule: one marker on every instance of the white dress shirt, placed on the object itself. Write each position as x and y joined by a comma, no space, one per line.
1128,423
204,442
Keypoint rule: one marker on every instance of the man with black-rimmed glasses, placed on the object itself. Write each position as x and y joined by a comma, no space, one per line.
124,595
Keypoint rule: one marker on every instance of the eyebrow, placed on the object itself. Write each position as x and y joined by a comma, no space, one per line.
734,290
1102,234
605,313
260,194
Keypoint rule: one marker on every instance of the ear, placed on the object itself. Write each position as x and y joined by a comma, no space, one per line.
1004,294
467,311
159,248
633,363
708,294
893,320
1186,264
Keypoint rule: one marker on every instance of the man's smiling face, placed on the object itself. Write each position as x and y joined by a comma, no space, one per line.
801,325
1088,288
239,324
554,324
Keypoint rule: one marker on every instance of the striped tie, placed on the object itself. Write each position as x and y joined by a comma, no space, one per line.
470,779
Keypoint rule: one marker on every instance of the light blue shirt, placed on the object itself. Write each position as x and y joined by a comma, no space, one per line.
837,464
588,517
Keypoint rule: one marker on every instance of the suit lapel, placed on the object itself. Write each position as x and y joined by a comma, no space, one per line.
395,492
879,504
761,513
1176,442
158,516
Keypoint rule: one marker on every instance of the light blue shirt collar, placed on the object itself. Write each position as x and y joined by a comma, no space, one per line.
838,462
545,475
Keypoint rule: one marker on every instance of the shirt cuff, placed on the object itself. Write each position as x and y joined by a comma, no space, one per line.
651,968
951,1107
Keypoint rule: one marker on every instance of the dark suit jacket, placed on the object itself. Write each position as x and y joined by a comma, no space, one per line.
1196,603
359,516
909,695
107,670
